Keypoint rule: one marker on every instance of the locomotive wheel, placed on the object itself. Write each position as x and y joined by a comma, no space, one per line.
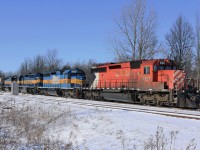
90,97
155,101
46,93
142,101
102,98
59,93
67,95
146,102
159,103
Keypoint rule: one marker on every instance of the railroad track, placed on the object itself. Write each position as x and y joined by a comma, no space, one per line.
126,107
173,112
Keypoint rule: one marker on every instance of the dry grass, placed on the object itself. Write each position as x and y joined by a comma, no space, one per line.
25,126
162,141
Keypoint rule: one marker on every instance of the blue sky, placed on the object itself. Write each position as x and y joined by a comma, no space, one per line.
78,29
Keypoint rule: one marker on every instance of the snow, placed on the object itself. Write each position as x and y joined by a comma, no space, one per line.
87,127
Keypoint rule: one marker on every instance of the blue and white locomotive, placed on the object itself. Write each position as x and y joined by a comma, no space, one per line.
30,82
8,81
67,83
62,83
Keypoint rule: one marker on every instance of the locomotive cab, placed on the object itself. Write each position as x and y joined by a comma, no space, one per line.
78,78
8,81
167,72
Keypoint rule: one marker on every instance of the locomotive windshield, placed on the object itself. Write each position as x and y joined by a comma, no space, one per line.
165,65
32,76
78,73
156,68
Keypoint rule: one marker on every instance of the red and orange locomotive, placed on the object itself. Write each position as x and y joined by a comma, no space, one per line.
145,81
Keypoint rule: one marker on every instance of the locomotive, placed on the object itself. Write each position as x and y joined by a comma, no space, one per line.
149,82
8,81
156,82
49,83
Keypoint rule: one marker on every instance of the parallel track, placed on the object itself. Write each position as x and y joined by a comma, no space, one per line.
173,112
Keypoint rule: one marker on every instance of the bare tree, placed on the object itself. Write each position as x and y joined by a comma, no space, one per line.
49,62
67,66
52,61
180,40
25,67
137,33
10,73
198,47
2,74
38,64
86,67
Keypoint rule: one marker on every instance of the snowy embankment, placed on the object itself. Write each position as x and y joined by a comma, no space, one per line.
29,121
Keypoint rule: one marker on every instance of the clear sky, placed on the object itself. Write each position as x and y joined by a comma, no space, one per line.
78,29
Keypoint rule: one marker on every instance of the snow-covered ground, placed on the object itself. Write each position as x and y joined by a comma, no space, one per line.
35,122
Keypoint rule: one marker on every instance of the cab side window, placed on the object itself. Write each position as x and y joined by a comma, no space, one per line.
155,68
146,70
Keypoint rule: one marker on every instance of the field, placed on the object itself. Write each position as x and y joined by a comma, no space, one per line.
45,122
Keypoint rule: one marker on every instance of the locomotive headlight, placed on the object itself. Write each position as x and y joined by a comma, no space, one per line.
197,91
183,91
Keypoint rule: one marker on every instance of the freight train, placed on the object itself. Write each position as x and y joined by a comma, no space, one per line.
150,82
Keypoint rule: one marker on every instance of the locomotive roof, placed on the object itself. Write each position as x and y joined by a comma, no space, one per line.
143,61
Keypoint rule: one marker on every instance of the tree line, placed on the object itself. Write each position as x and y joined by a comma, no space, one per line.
48,63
